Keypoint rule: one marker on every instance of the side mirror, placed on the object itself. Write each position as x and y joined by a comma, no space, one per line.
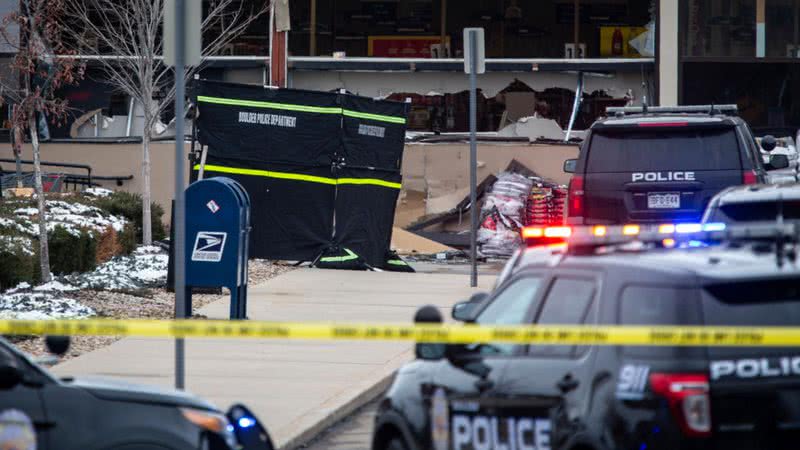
768,143
778,162
57,345
463,311
570,165
427,350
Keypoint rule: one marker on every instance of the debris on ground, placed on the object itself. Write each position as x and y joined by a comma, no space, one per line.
407,243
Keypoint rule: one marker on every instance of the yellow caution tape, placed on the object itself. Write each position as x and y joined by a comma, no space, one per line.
464,334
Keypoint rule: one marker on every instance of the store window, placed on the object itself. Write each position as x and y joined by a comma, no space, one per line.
514,28
253,41
782,28
718,28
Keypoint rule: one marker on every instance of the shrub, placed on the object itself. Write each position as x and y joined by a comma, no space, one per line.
17,261
127,238
108,245
70,253
129,205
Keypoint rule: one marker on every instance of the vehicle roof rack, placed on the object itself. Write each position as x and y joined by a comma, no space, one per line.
688,109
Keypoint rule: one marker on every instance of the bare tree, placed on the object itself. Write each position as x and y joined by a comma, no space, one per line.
37,37
130,32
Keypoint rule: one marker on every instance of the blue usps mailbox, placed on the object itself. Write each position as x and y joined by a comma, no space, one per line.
217,236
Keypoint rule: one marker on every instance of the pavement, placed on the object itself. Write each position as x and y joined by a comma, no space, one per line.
351,433
298,388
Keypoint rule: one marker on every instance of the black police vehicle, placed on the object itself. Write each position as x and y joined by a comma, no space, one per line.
526,397
661,164
38,410
741,204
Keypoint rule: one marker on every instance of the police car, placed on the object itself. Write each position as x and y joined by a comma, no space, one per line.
526,397
40,411
755,203
662,164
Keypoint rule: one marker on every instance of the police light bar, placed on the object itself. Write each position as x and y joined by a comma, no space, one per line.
545,235
667,235
690,109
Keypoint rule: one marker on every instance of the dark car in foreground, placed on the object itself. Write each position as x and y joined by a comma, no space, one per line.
755,203
661,164
588,397
40,411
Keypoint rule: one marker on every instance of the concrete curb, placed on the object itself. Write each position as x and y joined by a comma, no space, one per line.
304,430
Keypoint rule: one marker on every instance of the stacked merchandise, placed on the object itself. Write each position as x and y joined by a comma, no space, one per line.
502,214
545,204
558,209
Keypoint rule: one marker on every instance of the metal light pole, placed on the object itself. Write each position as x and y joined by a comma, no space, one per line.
180,222
474,63
473,157
182,48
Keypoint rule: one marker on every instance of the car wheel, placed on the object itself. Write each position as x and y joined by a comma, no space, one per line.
396,444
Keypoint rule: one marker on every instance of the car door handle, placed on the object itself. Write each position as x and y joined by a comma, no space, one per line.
567,383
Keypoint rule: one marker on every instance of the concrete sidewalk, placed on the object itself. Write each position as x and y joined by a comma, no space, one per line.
297,387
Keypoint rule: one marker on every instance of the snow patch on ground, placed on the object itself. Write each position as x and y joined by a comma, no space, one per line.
14,243
98,192
73,217
41,305
145,268
26,212
55,285
20,287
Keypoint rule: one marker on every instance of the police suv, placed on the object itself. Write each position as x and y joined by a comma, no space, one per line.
587,397
661,164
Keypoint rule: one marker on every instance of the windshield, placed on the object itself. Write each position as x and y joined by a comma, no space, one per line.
674,149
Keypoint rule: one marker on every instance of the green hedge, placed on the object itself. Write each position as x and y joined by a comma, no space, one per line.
70,253
129,206
18,265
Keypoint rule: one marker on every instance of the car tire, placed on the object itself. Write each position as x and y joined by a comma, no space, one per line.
396,444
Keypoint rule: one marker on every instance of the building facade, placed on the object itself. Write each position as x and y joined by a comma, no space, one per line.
621,51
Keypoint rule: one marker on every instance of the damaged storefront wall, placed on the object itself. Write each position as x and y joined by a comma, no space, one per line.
440,100
520,184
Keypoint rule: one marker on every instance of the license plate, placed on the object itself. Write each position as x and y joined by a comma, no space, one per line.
664,200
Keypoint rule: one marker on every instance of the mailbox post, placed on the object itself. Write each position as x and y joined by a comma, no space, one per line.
217,240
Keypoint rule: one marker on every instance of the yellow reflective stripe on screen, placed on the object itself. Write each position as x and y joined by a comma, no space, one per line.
348,257
266,173
372,181
270,105
397,262
377,117
298,176
710,336
300,108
